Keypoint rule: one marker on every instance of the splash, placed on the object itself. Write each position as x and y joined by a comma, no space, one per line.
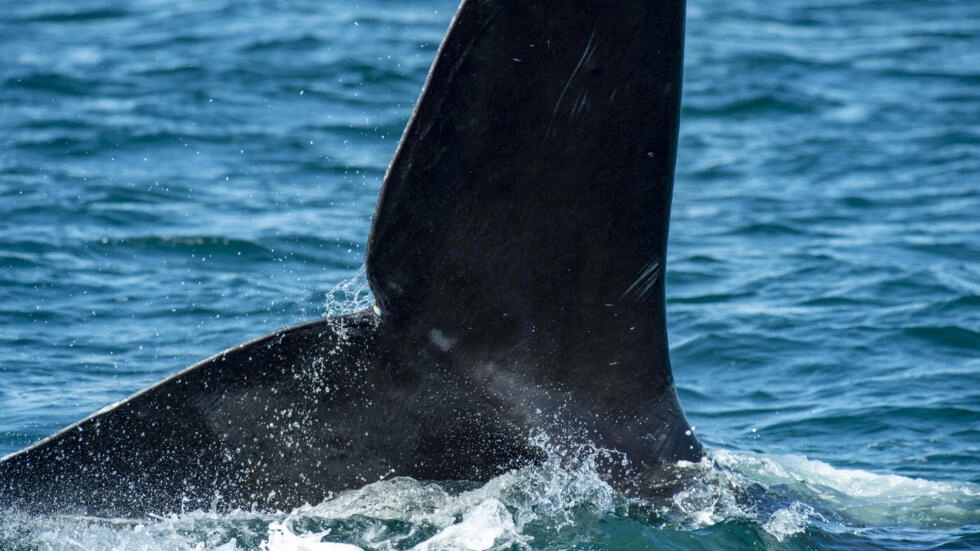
561,504
350,295
281,537
481,527
790,521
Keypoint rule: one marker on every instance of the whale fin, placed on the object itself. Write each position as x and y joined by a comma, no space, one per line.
229,431
516,256
532,187
524,217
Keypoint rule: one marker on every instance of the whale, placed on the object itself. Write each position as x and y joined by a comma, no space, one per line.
516,257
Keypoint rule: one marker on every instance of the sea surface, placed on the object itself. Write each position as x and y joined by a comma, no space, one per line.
179,176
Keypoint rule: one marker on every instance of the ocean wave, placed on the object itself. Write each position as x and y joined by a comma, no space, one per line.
71,16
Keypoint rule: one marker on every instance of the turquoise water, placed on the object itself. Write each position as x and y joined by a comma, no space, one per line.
179,177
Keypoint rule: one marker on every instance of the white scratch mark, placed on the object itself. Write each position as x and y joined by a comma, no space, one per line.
646,281
579,106
586,56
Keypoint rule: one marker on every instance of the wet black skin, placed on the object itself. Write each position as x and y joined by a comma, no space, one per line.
517,257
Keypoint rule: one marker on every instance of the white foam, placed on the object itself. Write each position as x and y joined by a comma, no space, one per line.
705,503
789,521
860,496
481,527
400,498
282,538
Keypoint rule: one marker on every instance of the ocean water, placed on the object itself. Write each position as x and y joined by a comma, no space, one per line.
177,177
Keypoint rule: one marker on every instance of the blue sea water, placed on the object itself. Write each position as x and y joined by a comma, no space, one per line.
177,177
